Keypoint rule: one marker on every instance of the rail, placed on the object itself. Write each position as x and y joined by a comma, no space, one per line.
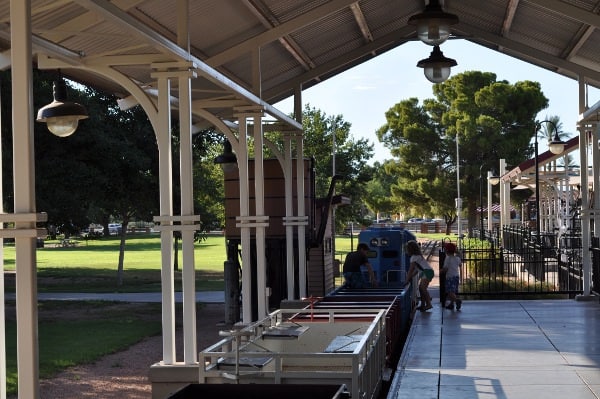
519,265
294,345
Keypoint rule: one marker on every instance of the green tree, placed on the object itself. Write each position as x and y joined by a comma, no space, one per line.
491,119
351,157
323,133
125,164
379,199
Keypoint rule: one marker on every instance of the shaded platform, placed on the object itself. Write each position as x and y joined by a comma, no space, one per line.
504,350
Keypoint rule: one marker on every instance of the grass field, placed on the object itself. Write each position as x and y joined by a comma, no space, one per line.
91,266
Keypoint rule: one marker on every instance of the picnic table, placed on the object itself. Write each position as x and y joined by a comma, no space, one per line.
66,243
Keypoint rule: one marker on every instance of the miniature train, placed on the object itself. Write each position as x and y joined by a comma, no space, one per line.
349,338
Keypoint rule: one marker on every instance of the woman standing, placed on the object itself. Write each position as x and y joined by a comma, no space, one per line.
420,266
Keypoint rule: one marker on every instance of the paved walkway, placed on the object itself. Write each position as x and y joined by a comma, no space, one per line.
202,296
502,350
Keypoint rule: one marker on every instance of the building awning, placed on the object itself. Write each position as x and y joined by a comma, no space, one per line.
495,208
528,167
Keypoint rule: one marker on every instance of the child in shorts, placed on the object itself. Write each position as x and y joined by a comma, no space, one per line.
420,266
451,268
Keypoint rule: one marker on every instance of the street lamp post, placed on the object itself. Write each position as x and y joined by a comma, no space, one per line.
458,200
492,180
537,189
556,146
481,235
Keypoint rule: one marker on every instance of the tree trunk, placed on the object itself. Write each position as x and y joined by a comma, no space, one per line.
122,252
176,252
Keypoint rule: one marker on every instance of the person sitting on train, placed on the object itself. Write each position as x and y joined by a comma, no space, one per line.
353,275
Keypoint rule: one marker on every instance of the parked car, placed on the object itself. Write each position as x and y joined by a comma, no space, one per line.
114,228
419,220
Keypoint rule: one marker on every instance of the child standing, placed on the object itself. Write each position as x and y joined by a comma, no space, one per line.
419,265
451,268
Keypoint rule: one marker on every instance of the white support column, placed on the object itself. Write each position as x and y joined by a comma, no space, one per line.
490,215
289,221
595,131
504,205
289,211
163,138
507,197
302,278
245,221
24,199
188,277
2,302
263,292
567,190
543,212
245,233
585,206
302,220
585,212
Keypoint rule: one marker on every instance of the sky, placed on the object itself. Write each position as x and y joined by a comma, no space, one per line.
364,93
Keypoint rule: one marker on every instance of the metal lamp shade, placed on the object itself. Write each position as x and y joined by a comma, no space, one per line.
62,117
436,67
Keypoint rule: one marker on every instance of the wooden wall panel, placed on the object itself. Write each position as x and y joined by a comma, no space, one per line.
274,197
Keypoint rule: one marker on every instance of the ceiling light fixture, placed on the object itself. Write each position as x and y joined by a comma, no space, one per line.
437,67
61,116
433,24
227,159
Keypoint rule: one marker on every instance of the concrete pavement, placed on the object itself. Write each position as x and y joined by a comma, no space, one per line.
518,349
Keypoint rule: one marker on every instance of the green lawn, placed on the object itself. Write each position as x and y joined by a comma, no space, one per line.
141,252
73,332
91,266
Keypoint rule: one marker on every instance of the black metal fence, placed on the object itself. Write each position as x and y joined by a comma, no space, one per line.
596,265
523,264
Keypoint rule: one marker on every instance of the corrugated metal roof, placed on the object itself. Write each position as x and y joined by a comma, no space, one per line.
301,42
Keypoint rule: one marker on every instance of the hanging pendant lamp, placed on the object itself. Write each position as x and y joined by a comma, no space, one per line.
61,116
437,67
227,159
433,24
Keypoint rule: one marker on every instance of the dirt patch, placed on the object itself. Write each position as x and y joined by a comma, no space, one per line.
123,374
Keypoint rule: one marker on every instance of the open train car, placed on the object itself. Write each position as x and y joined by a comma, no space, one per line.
349,337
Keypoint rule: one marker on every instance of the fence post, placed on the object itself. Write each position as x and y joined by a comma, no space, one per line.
442,278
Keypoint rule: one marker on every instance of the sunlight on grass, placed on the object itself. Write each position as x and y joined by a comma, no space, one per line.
91,266
141,252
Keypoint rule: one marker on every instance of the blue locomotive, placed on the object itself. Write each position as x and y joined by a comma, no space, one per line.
387,254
